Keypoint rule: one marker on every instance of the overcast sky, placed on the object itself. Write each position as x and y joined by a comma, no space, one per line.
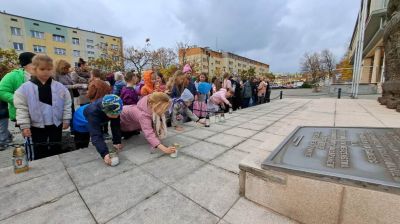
277,32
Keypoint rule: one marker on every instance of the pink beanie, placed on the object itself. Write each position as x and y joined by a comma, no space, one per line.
187,68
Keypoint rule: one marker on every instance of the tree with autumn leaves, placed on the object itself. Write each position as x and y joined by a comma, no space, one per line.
8,61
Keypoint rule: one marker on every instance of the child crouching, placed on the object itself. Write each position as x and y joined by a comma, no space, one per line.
43,108
219,99
97,114
180,109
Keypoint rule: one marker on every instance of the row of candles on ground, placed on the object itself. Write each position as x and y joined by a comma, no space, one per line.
20,160
219,117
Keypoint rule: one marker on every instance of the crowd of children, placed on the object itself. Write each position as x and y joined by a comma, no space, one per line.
44,98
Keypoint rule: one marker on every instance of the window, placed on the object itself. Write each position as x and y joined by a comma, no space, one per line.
239,64
90,46
75,41
113,39
204,67
90,52
37,34
59,51
15,20
91,58
115,58
36,24
39,49
103,45
16,31
204,59
231,62
217,62
89,41
18,46
76,53
101,37
57,28
74,31
114,47
58,38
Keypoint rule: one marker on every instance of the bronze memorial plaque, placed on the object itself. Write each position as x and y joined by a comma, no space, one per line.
364,155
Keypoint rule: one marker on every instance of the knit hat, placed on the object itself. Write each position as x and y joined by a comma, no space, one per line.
112,104
187,69
187,96
25,58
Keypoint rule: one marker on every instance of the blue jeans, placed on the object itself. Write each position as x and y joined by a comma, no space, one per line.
5,135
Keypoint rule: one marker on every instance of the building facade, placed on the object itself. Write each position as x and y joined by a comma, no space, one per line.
57,41
217,62
373,50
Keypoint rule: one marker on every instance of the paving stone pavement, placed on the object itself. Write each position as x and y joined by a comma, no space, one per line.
201,185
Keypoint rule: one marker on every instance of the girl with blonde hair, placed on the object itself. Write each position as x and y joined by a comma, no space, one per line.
148,116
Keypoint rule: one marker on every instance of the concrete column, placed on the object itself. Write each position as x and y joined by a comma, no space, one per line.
377,64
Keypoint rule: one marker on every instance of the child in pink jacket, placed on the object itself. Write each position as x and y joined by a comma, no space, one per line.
219,99
149,117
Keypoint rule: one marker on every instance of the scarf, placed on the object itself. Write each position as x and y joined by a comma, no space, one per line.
160,126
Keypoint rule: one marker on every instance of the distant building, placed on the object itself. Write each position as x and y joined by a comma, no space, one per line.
57,41
217,62
373,51
283,79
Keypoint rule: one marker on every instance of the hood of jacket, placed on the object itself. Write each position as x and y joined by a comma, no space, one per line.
148,81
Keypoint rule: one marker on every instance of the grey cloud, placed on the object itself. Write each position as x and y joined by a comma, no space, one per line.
277,32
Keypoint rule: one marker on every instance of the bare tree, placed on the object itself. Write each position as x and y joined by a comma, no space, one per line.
138,57
328,62
311,63
182,48
163,57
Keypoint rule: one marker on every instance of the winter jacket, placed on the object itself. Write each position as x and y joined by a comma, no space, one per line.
118,85
262,88
32,112
66,80
97,89
176,93
96,119
8,85
192,87
79,122
247,90
129,95
179,111
148,87
227,84
219,97
140,117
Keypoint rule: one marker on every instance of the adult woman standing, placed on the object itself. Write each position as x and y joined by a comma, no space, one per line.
148,116
63,76
81,76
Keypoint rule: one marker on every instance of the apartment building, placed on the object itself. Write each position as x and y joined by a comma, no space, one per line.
57,41
373,50
218,62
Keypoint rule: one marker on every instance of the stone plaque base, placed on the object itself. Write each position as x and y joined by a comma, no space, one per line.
328,175
366,156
